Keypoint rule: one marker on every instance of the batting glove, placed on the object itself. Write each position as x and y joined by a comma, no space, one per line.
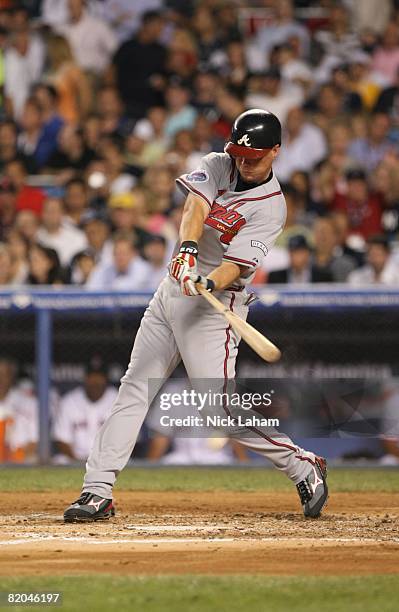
185,262
189,281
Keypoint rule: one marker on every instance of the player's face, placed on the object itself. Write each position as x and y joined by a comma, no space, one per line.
256,170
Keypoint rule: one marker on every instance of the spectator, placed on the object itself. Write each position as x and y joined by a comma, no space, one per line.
379,268
24,62
270,92
124,18
18,247
300,271
368,152
71,156
139,64
44,266
70,82
299,136
180,114
156,254
31,124
91,39
7,207
76,200
127,214
8,146
127,272
364,81
388,101
283,28
327,255
97,230
82,265
110,112
385,181
362,207
47,98
5,265
386,57
208,41
81,413
27,197
18,418
119,175
27,224
56,233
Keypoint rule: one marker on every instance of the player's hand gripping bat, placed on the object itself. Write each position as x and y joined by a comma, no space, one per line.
261,345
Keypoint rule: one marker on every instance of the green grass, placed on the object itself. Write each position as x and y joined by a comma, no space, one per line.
194,479
210,594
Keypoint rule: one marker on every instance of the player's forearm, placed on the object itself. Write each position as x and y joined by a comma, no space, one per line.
224,275
194,214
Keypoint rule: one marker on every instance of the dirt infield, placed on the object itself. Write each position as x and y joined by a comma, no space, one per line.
208,532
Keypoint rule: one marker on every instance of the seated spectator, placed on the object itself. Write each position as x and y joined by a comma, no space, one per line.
76,200
55,232
81,413
92,41
44,266
127,214
18,247
155,253
180,114
388,100
27,224
207,37
32,126
82,265
127,272
5,265
380,268
119,175
72,86
280,30
97,230
9,146
385,181
18,418
27,197
47,97
8,211
385,58
300,271
299,136
138,65
109,108
362,207
369,152
72,156
327,255
24,62
147,142
269,92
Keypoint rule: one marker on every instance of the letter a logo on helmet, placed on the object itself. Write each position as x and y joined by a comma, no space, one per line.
244,140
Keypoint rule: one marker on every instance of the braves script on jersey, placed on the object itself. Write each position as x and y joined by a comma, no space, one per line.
241,226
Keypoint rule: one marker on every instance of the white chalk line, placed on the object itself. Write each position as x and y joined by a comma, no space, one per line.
90,540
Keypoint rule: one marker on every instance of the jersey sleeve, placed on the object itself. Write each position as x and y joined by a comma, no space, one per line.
253,242
204,181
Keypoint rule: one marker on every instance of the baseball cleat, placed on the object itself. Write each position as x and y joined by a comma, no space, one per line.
313,491
89,507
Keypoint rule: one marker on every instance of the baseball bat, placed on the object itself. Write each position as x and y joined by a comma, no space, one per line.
259,343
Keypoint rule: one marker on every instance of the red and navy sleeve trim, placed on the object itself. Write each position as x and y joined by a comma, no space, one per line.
241,262
194,191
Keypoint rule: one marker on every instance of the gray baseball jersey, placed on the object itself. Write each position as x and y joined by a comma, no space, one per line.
241,228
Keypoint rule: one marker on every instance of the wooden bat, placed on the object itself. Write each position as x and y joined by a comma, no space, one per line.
261,345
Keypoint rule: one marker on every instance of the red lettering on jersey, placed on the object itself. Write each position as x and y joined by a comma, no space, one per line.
225,221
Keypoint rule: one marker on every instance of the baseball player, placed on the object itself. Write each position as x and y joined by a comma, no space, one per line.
233,214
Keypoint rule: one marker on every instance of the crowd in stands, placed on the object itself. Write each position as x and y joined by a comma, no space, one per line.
105,102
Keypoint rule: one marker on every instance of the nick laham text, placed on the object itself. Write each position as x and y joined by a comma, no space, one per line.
218,421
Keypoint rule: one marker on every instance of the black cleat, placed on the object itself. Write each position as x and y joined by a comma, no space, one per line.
89,507
313,491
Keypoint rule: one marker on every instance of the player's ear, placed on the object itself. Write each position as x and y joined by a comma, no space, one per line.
275,151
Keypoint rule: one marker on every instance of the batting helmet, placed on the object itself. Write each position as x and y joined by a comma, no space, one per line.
254,133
